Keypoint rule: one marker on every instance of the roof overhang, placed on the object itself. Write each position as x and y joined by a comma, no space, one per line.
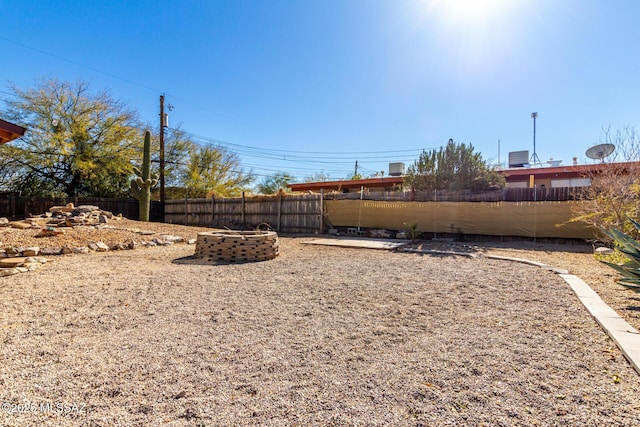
388,181
9,131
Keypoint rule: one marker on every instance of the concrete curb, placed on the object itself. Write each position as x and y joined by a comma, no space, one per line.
626,337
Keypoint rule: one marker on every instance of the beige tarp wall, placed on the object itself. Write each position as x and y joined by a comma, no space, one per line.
527,219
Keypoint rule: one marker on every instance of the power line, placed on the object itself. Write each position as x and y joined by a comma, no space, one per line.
298,156
114,76
315,153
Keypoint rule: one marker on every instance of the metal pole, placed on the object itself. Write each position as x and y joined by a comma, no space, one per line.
534,157
162,123
535,115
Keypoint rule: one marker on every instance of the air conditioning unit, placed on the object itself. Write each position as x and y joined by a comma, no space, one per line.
396,169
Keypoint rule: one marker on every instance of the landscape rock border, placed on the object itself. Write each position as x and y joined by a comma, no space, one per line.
626,337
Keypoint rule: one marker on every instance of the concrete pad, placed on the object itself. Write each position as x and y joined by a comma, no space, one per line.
352,242
626,337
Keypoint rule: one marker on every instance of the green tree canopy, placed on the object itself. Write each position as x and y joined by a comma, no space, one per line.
452,168
271,184
77,142
193,170
213,170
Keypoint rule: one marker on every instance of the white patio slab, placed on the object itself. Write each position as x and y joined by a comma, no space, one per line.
363,243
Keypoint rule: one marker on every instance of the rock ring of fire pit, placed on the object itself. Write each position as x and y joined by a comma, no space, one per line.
236,246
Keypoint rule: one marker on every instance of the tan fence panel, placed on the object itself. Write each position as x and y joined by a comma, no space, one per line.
526,219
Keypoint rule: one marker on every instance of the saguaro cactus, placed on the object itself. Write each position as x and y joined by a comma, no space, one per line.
141,185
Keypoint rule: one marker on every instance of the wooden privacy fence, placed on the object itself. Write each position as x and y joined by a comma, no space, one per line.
548,194
12,206
283,213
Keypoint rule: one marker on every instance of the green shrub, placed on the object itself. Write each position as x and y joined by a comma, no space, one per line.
412,230
630,248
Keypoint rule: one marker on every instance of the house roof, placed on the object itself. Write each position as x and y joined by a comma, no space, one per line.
563,171
387,181
9,131
511,175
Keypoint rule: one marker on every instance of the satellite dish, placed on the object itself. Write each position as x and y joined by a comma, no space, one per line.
600,151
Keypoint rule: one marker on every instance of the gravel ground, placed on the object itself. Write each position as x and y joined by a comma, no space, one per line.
318,336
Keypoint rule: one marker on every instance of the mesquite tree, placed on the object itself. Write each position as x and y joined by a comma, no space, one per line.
77,142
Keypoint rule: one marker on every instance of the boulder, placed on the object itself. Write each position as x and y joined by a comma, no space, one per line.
171,238
98,247
12,262
32,251
402,235
86,208
30,266
75,250
382,234
36,221
602,250
14,251
51,251
9,271
19,224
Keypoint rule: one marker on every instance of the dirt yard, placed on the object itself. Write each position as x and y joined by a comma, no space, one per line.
318,336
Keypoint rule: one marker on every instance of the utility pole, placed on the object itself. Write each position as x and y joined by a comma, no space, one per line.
162,126
355,173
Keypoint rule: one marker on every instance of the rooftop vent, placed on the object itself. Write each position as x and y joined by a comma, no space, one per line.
518,159
396,169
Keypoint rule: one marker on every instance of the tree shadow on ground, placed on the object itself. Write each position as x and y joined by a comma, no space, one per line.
193,260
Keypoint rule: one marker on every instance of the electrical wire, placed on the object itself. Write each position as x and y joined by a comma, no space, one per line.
312,158
105,73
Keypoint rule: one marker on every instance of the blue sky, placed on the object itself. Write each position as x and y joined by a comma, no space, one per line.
311,86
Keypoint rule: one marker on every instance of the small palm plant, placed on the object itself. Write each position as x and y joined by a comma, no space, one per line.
630,248
412,230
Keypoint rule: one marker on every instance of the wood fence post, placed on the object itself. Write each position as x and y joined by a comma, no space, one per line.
321,210
186,211
213,210
243,202
279,211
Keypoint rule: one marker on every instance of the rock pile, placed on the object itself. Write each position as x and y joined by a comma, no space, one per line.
51,227
64,216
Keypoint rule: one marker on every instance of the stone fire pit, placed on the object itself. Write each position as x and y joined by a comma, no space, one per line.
236,246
